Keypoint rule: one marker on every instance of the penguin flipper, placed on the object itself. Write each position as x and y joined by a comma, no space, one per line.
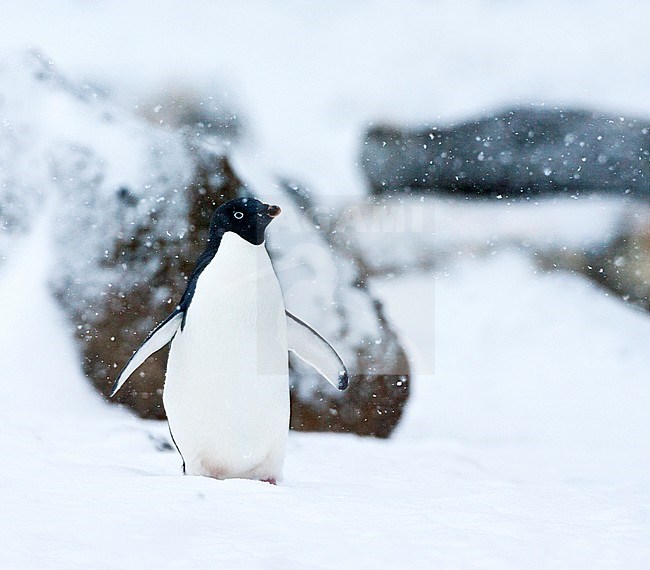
160,336
311,347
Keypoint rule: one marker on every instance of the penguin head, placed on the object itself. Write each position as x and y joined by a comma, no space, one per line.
247,217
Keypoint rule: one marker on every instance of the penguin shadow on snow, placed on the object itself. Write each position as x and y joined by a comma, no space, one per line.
226,392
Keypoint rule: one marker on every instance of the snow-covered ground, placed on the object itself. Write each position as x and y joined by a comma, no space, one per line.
526,441
525,445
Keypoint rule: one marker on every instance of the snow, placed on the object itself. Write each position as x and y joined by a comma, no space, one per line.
414,232
525,443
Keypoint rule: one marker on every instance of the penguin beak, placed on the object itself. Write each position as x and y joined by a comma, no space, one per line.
273,211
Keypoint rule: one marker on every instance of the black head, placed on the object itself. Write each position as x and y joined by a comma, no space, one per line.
247,217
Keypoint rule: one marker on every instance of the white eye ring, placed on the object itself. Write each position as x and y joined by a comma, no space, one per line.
238,215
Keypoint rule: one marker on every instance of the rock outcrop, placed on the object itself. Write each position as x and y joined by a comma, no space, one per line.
521,152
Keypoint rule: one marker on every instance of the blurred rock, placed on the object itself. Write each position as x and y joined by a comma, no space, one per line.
621,265
516,153
132,204
624,266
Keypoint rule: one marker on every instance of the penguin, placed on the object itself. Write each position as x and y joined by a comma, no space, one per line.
226,392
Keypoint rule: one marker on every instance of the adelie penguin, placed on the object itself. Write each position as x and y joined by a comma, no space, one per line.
227,388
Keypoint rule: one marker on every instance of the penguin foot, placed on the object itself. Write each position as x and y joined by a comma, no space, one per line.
270,480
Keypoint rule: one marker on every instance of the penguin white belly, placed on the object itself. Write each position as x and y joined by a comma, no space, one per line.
226,390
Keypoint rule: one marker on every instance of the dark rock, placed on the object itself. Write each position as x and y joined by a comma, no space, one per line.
519,152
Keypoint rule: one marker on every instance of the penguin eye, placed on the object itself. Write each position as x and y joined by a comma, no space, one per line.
238,215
